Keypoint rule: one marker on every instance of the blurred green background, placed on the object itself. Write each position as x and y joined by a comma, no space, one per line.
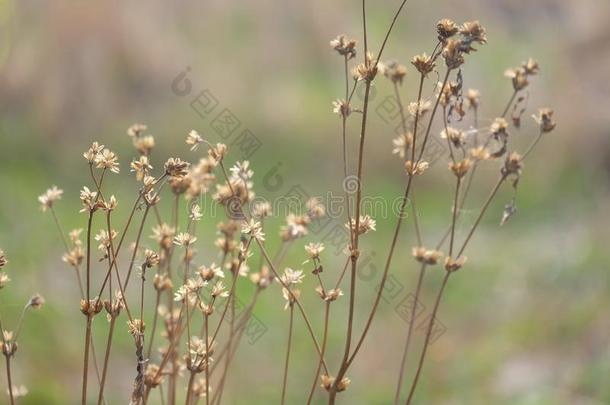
526,320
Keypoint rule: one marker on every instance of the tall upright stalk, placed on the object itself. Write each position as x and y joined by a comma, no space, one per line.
287,361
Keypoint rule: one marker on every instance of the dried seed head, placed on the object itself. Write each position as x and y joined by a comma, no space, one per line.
136,130
368,70
228,228
402,143
241,171
261,209
104,238
199,388
365,225
49,197
111,204
343,384
473,97
333,294
427,256
194,139
342,107
480,153
141,167
446,28
151,258
473,31
423,63
292,277
219,290
314,249
107,160
164,235
513,164
315,208
162,282
262,279
420,109
452,53
184,239
92,307
208,273
295,228
4,279
7,345
545,120
91,154
455,136
19,391
519,78
176,167
152,377
344,46
531,67
327,381
195,214
74,257
180,184
36,302
499,127
88,199
460,168
454,265
393,71
218,152
291,296
144,144
254,229
414,170
136,327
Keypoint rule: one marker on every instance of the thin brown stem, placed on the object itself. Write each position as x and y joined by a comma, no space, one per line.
432,115
510,102
405,352
428,336
100,397
347,261
207,359
86,360
154,325
532,146
189,388
483,210
231,292
324,338
136,246
385,271
289,346
454,214
387,35
295,299
9,379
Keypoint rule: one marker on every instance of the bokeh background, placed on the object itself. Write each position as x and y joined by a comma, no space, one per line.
526,321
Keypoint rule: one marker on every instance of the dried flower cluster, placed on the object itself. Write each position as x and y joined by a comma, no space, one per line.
190,344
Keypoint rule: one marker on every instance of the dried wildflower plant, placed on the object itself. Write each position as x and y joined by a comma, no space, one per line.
194,323
9,338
